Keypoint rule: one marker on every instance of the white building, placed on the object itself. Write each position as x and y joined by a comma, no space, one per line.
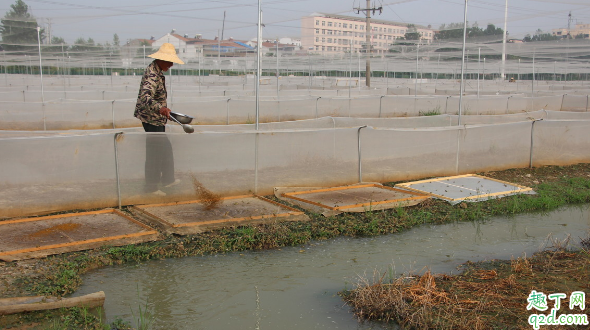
333,34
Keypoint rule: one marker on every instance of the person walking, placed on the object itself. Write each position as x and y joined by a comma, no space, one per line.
153,112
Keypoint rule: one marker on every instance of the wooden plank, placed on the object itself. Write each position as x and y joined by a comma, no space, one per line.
56,216
24,304
76,243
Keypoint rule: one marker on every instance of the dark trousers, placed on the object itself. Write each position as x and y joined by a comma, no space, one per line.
159,158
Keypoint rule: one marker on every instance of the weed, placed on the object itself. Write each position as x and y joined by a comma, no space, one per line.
77,318
433,112
144,318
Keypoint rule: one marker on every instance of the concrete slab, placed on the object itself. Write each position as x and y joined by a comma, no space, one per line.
193,217
42,236
469,187
353,198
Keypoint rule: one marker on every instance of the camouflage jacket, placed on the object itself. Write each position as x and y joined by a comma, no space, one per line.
152,96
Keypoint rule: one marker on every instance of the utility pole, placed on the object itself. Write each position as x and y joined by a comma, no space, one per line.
569,23
223,25
369,46
49,31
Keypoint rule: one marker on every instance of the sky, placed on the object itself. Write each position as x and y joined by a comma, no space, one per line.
142,19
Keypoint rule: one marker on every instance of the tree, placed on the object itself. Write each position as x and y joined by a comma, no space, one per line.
455,31
83,47
140,49
19,28
116,40
57,47
412,33
540,36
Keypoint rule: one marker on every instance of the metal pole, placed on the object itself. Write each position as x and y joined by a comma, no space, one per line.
359,57
117,167
478,68
416,81
518,76
437,69
386,74
350,71
278,88
258,68
462,64
483,77
533,78
504,41
5,67
359,153
369,46
41,70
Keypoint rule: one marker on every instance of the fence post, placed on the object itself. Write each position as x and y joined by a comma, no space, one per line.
359,153
44,117
316,106
587,102
532,143
562,98
381,98
256,163
447,104
117,135
227,111
113,112
507,104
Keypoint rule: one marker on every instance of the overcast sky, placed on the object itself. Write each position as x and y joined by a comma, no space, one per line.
131,19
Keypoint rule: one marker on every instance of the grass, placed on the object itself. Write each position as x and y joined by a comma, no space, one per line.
74,318
60,275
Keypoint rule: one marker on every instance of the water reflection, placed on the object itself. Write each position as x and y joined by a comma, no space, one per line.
296,287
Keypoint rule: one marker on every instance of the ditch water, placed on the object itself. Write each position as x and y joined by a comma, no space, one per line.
296,287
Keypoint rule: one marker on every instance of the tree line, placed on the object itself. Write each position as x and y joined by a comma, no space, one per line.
18,29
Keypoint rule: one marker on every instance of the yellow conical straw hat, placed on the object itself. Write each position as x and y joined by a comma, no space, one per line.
167,53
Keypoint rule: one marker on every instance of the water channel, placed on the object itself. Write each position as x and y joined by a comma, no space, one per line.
296,287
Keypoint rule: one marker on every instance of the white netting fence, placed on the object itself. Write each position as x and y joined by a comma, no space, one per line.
71,142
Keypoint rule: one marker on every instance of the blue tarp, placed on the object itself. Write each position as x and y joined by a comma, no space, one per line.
243,44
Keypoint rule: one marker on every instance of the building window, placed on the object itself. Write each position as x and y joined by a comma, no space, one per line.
317,31
329,48
345,26
323,48
329,40
329,23
330,32
317,39
323,31
323,23
317,22
323,39
339,24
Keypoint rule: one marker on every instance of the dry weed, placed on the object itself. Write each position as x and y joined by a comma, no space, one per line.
521,266
209,199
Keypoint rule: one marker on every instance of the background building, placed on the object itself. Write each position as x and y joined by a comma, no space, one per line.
333,34
579,31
